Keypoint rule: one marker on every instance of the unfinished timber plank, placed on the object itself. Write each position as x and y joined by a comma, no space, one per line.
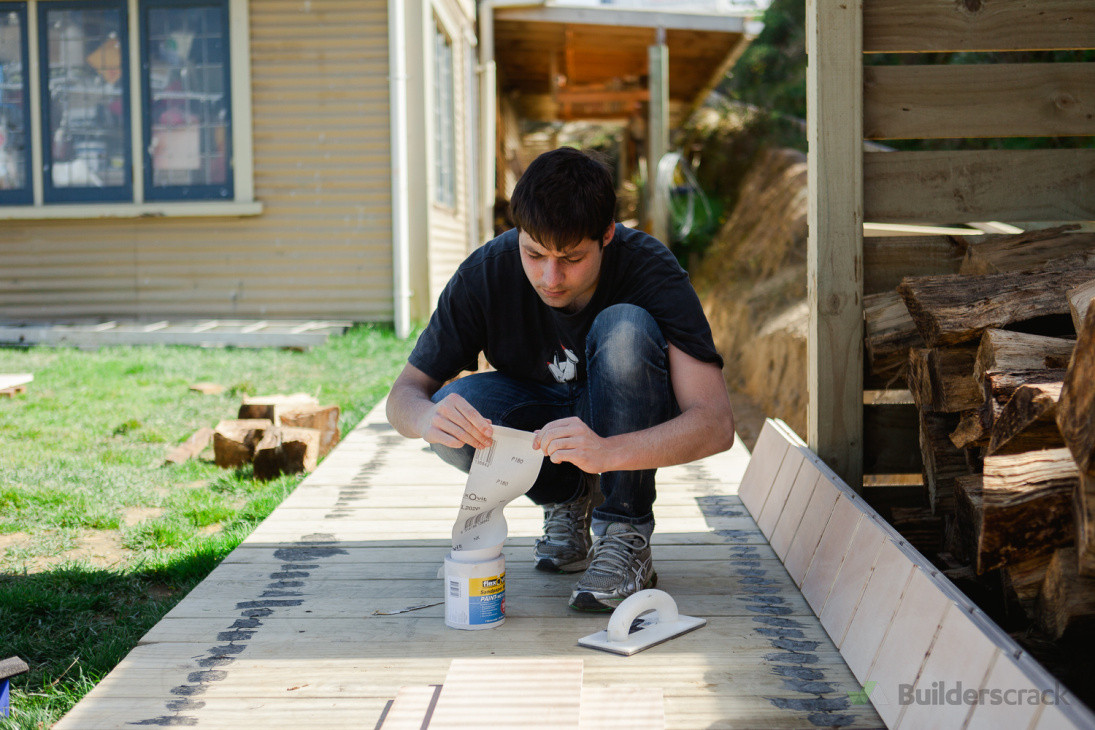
970,101
635,708
1026,504
949,310
1028,421
14,380
966,186
412,708
768,455
959,653
508,693
1079,301
918,26
1025,251
888,259
834,40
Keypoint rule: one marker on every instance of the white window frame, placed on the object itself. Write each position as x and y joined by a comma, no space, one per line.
243,202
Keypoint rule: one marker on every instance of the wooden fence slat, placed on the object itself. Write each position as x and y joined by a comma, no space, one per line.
964,186
914,26
887,260
992,100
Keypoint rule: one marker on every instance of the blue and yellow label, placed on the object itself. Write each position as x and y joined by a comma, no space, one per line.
487,599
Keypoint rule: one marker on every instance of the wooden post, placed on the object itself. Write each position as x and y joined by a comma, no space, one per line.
657,136
834,82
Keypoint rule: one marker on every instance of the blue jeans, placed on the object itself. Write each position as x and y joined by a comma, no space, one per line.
627,389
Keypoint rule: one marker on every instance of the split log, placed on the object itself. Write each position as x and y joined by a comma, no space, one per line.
1083,508
1023,582
1076,409
1079,301
1076,420
286,450
975,427
191,447
1024,251
941,379
968,509
943,461
890,332
952,309
322,418
234,441
272,406
1026,507
1028,421
1006,350
1067,603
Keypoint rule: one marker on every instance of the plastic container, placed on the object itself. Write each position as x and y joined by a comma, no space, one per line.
475,589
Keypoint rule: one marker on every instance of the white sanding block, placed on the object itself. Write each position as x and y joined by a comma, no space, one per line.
628,634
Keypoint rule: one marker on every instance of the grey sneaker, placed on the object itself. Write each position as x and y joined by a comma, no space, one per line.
621,566
564,548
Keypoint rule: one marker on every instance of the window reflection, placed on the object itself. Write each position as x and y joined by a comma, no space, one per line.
14,147
189,105
87,110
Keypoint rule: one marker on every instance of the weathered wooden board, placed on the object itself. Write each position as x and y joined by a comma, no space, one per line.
887,260
965,186
912,26
989,100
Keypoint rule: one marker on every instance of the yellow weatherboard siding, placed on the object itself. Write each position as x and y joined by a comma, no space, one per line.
321,246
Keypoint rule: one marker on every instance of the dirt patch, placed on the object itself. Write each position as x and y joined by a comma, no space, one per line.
134,515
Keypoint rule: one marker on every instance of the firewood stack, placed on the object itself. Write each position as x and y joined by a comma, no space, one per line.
278,434
1000,361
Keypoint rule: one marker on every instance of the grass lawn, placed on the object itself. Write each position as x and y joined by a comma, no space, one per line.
98,539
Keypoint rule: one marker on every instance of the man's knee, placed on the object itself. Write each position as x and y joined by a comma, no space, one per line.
625,341
461,457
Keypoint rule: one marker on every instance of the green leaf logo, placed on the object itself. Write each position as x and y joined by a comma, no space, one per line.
863,696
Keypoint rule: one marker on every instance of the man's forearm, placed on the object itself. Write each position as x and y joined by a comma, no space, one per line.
406,408
694,434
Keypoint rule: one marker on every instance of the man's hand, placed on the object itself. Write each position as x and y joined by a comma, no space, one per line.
454,422
570,439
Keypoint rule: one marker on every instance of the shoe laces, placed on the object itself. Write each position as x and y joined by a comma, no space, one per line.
564,519
612,553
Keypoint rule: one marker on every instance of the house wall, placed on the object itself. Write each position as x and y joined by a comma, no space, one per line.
321,247
440,234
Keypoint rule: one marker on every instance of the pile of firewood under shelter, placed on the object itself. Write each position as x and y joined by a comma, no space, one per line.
1000,362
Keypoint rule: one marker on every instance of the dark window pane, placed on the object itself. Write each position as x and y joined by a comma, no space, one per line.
444,119
87,139
14,141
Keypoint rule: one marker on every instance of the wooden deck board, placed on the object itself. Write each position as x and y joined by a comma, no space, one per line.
333,605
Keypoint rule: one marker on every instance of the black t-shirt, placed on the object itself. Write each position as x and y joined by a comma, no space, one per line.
489,306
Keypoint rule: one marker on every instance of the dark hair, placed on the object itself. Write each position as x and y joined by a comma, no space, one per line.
564,196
